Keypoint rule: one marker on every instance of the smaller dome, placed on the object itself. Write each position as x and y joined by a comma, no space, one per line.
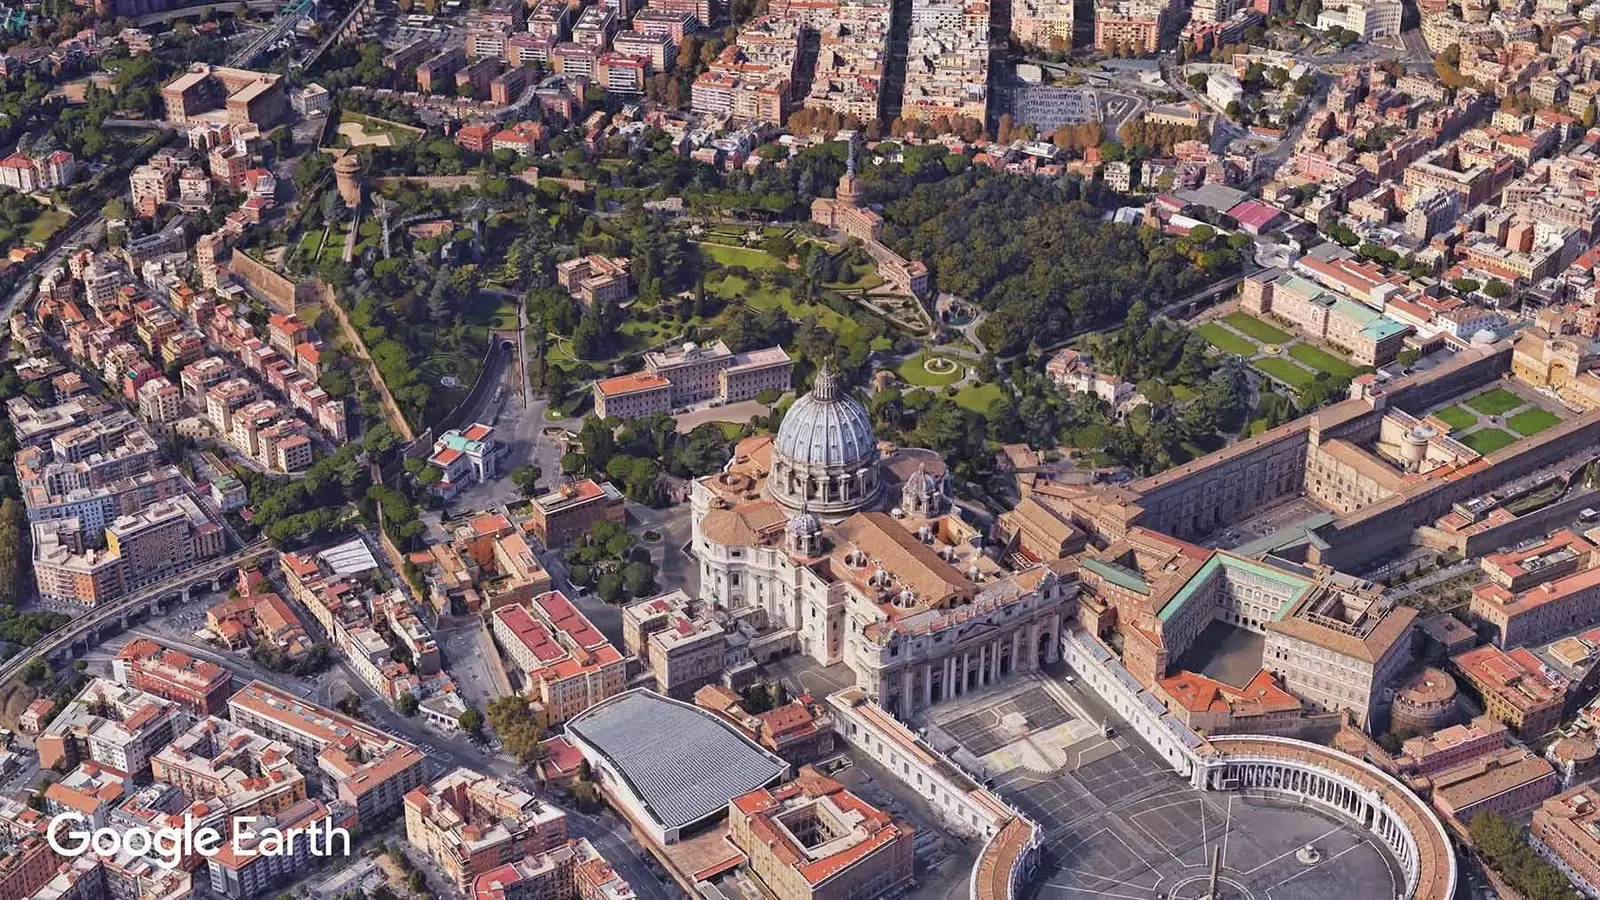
1485,336
804,523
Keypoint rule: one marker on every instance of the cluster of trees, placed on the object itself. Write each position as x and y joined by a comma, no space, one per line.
763,696
13,554
24,629
1500,842
309,663
696,53
634,454
1156,138
1035,254
810,120
965,127
608,560
415,880
1080,137
921,418
294,511
518,728
16,568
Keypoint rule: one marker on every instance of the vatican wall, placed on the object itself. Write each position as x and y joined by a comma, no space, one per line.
1370,534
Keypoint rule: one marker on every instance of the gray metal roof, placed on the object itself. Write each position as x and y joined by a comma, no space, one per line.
683,762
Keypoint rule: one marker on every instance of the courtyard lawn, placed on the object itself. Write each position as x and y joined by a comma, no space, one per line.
977,397
1256,426
1264,332
1532,421
911,371
1323,361
1488,440
1456,417
1225,340
1495,401
1285,371
738,256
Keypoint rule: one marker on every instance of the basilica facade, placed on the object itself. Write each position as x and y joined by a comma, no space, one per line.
855,547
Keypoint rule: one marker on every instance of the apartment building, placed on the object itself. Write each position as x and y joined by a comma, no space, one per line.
568,512
163,539
113,725
201,687
573,870
242,868
469,824
229,766
567,665
369,770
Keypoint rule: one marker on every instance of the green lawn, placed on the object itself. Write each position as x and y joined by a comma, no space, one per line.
1255,427
1183,393
857,278
309,243
1245,323
40,230
1487,440
1225,340
977,397
1456,417
738,256
1285,371
505,316
1495,401
912,372
1321,360
731,286
1532,421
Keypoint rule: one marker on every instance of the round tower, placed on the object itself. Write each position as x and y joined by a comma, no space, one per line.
347,177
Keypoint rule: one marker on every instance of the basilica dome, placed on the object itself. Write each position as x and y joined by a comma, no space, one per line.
825,455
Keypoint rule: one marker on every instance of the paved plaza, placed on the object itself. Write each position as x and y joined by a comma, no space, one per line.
1118,823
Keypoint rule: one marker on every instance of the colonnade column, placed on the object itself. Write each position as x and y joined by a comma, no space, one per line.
927,684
